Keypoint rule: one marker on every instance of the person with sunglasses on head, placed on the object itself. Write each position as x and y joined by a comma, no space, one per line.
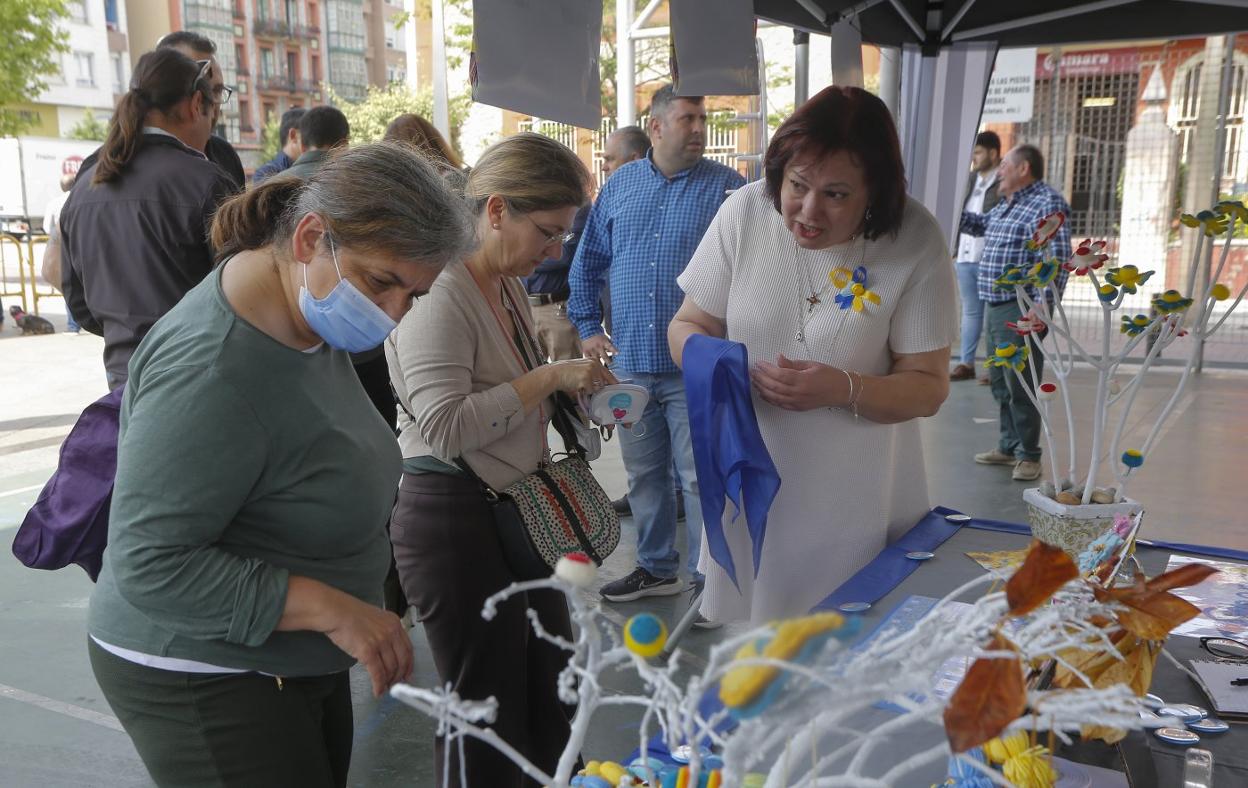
247,542
134,231
200,48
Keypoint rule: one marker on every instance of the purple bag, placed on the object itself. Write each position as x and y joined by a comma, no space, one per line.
69,522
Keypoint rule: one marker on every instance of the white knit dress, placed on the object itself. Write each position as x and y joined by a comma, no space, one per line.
848,487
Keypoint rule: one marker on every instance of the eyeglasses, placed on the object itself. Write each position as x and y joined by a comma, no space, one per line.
562,238
1228,649
220,93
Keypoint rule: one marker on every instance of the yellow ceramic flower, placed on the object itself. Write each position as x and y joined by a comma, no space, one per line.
1212,223
1128,277
1220,292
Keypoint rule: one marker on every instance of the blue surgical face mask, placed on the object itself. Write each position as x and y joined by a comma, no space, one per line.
346,319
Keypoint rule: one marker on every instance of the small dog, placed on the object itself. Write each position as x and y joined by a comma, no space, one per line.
30,324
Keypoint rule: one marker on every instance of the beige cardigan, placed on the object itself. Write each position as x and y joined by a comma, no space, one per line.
452,367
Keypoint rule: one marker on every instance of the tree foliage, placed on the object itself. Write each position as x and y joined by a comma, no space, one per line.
30,47
369,117
270,137
89,128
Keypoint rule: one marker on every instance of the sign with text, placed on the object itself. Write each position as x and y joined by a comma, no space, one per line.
1012,89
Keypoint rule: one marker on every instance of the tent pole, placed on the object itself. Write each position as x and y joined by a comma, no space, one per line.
890,78
1204,268
801,67
626,88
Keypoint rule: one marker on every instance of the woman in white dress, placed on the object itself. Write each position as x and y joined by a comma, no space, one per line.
842,290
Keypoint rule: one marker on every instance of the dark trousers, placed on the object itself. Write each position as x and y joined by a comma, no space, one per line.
450,561
230,729
1020,421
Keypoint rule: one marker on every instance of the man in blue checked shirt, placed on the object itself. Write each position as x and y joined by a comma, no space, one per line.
644,227
1006,229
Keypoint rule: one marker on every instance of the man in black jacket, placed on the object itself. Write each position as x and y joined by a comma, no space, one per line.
219,151
134,232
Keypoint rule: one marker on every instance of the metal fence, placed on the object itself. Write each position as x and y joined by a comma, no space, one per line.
1128,135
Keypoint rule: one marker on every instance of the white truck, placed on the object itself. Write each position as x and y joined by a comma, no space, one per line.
30,176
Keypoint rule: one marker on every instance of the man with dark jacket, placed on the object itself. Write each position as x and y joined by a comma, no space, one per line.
981,195
219,151
135,240
292,146
321,129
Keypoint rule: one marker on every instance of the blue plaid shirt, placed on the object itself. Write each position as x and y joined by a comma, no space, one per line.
1006,230
642,231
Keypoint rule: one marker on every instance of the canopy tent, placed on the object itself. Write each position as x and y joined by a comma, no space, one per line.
948,50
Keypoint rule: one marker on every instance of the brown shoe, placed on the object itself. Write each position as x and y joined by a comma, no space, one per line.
962,372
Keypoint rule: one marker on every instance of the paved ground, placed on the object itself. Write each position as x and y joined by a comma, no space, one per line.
58,731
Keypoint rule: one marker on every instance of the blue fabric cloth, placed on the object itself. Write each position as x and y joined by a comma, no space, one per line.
1006,230
278,163
728,449
641,233
551,275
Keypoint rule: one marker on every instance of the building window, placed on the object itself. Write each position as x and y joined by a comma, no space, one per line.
77,10
292,65
119,73
1185,110
84,64
269,111
314,66
240,60
244,113
111,19
266,63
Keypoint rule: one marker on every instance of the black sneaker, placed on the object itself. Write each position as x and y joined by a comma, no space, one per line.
638,584
622,507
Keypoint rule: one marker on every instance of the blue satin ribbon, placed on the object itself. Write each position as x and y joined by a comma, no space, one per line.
728,449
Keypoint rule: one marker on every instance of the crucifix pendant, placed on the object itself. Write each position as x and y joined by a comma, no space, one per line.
814,299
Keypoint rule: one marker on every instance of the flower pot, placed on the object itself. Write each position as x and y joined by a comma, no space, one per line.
1072,527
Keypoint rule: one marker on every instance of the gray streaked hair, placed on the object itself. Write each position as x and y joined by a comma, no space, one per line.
383,197
663,98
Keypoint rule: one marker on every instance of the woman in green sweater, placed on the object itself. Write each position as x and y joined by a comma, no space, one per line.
247,537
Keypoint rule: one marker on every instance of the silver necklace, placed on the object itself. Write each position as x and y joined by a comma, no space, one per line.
816,296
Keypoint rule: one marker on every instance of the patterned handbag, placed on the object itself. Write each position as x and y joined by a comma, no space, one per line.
558,509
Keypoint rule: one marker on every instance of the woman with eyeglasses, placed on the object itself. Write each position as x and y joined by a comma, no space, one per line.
473,389
134,231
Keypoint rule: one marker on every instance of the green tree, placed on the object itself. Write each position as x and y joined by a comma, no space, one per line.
270,138
369,117
89,128
30,46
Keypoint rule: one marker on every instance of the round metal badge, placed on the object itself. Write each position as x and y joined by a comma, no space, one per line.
853,607
920,555
1177,736
1184,711
1209,725
958,518
1152,701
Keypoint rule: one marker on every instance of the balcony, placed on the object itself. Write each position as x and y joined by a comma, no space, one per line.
271,28
308,32
242,71
307,86
275,82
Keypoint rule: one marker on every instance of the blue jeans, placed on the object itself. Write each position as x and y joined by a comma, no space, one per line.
972,310
650,449
71,325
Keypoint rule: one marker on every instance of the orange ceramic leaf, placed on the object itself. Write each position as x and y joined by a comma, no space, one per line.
1045,569
1152,614
990,697
1183,577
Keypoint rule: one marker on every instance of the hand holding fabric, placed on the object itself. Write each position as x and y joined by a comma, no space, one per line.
800,385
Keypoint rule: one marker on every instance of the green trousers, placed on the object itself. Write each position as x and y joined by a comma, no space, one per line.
1020,421
232,729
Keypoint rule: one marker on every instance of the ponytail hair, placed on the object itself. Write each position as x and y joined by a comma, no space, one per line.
421,218
162,78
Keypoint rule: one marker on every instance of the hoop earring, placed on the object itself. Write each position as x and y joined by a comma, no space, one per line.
495,226
866,217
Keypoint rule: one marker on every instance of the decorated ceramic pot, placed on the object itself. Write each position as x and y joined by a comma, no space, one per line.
1072,527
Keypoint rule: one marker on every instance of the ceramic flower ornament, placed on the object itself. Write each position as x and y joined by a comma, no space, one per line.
1008,355
854,293
1219,292
1107,293
1089,255
1010,277
1232,209
1134,326
1043,273
1047,228
1128,277
1210,222
1170,302
1027,324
